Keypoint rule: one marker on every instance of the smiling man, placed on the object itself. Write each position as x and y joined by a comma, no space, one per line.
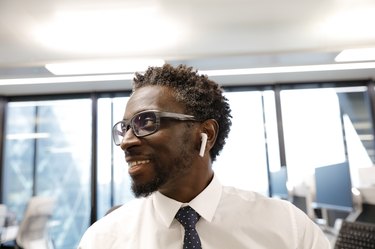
175,124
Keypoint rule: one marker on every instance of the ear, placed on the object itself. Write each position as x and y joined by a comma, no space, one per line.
211,128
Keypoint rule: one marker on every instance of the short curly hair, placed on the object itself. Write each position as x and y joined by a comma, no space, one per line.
201,96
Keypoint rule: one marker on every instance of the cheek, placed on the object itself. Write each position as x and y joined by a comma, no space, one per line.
175,144
169,150
186,148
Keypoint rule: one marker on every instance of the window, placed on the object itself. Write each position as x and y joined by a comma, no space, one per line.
244,161
48,152
325,126
48,147
113,178
312,131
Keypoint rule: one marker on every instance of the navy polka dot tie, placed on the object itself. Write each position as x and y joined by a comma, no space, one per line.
188,218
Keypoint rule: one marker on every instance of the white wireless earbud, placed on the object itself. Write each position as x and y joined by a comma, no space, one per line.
203,144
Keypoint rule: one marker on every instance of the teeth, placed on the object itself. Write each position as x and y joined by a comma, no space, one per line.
131,164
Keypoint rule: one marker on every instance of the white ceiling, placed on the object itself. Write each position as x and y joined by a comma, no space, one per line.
206,34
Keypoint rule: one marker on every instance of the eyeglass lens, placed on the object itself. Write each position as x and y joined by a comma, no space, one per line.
142,124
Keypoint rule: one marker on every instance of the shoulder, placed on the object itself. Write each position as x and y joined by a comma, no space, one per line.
253,202
275,216
126,212
119,216
106,230
250,197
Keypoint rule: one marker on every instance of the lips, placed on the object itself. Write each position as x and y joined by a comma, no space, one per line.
139,168
136,163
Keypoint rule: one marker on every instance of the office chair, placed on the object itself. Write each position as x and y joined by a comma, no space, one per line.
301,196
3,215
112,209
33,230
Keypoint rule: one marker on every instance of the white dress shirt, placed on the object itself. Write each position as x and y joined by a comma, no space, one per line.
230,219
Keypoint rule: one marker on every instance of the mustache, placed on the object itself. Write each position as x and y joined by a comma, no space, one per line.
134,152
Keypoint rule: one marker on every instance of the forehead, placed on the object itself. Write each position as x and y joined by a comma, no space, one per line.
152,97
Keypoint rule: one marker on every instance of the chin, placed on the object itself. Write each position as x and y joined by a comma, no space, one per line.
145,189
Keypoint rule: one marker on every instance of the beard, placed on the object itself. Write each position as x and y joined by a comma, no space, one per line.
178,165
144,190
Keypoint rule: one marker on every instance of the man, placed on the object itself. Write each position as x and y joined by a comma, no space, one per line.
175,125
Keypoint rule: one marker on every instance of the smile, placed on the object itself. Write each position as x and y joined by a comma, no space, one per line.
132,164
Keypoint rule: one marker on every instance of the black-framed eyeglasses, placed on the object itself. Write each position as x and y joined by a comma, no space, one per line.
145,123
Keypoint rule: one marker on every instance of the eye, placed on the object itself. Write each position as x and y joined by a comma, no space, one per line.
146,121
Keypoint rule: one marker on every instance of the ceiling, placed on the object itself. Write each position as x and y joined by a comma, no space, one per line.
206,34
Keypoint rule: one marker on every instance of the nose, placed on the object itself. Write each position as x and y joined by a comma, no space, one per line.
129,139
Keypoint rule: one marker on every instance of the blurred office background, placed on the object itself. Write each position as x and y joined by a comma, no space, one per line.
298,103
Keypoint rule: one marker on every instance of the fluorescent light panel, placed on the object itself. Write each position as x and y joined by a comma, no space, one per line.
289,69
224,72
65,79
102,66
358,54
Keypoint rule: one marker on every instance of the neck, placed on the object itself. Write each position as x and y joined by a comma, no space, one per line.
187,189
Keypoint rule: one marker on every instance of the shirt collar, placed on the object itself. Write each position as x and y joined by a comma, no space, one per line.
205,203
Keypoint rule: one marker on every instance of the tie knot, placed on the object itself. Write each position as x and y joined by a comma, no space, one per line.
188,217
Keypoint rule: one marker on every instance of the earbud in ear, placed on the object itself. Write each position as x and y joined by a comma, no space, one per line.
203,144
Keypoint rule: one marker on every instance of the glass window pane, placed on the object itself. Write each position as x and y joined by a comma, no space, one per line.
104,155
122,182
113,177
57,162
313,131
243,161
270,125
19,156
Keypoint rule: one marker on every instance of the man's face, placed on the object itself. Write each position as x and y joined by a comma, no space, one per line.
164,158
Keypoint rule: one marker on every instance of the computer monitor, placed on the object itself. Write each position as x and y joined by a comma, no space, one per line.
301,195
334,187
278,183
